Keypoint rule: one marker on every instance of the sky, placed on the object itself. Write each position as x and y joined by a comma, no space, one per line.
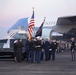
13,10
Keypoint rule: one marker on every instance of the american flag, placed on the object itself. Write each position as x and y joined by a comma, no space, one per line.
31,26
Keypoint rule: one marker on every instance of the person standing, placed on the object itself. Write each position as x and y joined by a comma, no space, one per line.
46,48
32,50
27,49
15,49
42,53
73,49
19,50
50,50
54,47
38,49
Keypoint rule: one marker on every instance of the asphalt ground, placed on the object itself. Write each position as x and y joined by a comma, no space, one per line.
61,66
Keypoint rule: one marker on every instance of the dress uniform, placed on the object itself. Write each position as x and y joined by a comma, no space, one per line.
32,50
38,49
27,47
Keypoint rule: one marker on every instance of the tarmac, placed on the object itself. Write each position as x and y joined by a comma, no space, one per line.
61,66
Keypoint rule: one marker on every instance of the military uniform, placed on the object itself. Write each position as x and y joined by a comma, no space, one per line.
27,47
32,50
38,50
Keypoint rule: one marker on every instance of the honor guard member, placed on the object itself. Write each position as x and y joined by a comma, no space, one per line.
46,48
38,49
42,54
32,49
72,49
27,49
50,49
54,47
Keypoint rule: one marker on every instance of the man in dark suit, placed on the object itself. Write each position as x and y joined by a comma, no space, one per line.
19,50
15,49
46,48
73,49
54,47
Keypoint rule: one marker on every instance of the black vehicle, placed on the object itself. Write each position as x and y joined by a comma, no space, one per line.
7,42
6,47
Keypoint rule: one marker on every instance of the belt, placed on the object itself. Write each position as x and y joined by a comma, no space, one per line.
38,46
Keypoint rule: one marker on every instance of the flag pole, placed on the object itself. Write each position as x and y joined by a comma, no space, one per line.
44,19
34,25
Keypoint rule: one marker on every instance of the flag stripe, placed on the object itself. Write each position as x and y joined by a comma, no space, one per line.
31,25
